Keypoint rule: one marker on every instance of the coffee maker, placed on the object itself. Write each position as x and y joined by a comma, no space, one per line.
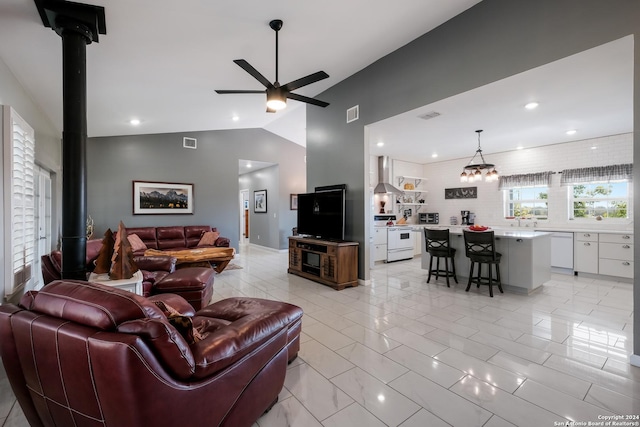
465,217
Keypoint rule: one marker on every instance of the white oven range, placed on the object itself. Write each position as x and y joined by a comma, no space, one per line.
400,242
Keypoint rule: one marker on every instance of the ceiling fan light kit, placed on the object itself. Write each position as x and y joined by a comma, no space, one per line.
473,171
276,94
276,98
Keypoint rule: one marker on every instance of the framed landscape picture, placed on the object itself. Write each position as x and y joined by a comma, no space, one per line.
162,198
260,201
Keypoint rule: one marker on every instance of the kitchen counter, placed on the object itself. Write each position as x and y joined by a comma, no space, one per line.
525,263
533,229
505,232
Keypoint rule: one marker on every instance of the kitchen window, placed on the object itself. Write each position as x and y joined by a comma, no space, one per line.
599,192
526,195
600,200
526,202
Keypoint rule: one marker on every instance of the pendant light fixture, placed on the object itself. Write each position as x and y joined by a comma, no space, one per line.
473,171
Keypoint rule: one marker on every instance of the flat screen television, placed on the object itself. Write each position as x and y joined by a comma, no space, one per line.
321,214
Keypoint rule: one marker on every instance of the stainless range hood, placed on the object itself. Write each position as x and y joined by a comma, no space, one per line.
384,177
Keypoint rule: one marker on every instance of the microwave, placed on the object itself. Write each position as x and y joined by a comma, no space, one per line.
429,218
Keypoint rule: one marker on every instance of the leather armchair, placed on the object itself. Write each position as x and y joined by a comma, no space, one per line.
154,269
79,353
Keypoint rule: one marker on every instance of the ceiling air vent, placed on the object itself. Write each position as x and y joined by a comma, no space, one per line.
429,115
189,143
353,114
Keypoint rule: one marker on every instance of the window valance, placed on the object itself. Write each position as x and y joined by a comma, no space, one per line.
538,179
597,174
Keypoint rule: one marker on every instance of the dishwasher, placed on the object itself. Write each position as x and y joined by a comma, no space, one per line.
562,250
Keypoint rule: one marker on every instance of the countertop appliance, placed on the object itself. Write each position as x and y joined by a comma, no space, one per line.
464,215
471,219
428,218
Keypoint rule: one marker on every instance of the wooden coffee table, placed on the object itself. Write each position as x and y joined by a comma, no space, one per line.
217,258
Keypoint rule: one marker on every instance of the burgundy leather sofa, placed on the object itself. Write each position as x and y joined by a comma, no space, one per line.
174,237
85,354
159,275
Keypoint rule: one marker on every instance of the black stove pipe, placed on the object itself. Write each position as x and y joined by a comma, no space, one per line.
78,24
75,37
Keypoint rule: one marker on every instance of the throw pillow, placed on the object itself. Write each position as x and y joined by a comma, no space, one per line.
183,324
208,238
136,243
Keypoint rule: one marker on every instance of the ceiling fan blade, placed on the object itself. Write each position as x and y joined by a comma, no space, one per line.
223,92
255,73
308,100
311,78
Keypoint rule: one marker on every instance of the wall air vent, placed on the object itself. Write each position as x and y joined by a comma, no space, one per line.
429,115
189,143
353,114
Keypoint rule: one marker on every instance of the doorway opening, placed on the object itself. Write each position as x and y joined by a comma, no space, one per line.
244,216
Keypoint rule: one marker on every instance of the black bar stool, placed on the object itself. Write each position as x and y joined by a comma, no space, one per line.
438,246
480,247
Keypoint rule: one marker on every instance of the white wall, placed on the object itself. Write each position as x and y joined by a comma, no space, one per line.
488,206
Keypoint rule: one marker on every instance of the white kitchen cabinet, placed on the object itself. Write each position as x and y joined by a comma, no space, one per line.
380,236
615,255
610,254
379,253
585,253
379,244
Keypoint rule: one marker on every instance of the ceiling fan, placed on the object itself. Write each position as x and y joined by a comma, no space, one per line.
277,95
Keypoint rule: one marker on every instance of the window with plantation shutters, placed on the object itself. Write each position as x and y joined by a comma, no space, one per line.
20,230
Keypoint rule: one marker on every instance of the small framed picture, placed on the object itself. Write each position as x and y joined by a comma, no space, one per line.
293,202
260,201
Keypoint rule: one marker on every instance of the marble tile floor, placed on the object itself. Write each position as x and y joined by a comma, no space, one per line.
401,352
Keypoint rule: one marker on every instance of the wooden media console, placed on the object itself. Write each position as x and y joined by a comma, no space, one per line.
328,262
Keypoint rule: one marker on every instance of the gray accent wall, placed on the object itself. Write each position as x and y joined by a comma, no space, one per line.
115,162
490,41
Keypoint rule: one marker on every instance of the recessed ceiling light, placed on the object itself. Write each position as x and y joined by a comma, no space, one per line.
593,147
134,122
380,144
249,165
571,132
531,106
235,118
519,147
434,155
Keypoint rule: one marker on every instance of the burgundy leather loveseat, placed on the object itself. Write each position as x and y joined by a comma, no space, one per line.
85,354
